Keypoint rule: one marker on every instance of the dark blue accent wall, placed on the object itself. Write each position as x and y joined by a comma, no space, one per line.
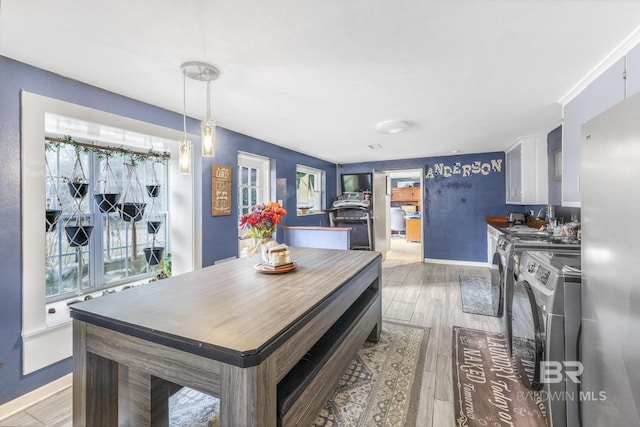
219,234
455,207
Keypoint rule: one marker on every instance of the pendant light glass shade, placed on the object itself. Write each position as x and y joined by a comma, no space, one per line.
184,158
208,128
205,73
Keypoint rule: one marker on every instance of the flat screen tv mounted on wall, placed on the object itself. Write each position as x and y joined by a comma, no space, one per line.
356,182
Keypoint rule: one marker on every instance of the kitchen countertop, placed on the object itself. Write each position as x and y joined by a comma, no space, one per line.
500,223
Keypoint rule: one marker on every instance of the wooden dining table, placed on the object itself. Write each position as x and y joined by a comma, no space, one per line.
229,331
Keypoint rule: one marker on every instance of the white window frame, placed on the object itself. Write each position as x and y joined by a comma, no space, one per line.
263,166
320,193
47,338
94,256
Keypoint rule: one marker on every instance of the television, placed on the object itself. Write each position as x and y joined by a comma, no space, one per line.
356,182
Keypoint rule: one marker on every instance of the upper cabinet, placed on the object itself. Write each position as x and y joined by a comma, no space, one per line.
527,172
603,93
405,194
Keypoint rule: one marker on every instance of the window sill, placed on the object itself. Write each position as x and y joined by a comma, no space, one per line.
54,342
60,309
311,213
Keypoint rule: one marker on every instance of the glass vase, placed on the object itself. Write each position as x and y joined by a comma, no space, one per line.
266,244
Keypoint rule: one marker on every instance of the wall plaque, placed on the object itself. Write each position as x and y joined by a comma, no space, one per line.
221,190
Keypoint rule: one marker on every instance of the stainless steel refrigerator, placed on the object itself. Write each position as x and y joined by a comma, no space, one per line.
610,191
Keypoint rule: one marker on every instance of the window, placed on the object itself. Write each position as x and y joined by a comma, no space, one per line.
104,228
310,190
47,335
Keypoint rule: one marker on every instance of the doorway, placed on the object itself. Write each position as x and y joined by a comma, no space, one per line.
406,215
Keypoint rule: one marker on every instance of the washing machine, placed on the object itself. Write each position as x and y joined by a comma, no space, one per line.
545,327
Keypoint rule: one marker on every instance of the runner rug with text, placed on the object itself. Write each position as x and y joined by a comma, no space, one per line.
487,387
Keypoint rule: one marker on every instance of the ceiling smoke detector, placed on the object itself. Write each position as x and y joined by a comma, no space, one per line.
392,126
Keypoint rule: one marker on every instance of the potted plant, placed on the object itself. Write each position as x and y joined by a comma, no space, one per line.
78,186
153,254
153,227
107,192
51,219
153,189
131,211
78,235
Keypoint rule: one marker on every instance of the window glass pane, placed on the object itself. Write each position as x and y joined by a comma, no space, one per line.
254,196
244,176
109,255
254,177
309,189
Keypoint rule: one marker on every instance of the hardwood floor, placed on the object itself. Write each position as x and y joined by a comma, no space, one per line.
413,292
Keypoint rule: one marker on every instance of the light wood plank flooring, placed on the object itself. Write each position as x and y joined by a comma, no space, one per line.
413,292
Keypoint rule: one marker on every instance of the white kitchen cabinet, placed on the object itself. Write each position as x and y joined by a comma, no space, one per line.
527,172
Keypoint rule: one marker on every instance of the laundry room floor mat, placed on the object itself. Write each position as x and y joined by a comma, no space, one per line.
486,386
478,296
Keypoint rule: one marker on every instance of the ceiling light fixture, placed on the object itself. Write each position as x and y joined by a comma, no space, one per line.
184,150
205,73
392,126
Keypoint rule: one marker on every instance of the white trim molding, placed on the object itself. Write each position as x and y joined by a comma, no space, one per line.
618,52
456,262
44,342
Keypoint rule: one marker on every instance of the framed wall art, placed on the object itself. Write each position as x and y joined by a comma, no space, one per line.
221,190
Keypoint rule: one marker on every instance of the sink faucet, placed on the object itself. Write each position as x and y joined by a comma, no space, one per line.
549,211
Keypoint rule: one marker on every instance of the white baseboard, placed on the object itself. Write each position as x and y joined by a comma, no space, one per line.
19,404
456,262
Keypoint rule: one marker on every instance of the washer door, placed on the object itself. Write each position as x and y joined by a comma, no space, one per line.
497,283
527,335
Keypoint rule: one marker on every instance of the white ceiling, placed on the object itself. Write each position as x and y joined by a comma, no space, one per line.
317,76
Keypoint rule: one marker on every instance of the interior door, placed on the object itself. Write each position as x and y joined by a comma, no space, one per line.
381,229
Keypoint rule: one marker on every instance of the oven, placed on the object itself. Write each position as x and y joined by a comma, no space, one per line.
545,326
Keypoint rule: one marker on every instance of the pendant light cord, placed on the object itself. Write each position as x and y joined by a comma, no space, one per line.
184,105
208,100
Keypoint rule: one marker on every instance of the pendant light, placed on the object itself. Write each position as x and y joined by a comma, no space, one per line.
184,151
204,72
208,128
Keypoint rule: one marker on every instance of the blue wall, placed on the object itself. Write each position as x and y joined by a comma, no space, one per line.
219,234
455,207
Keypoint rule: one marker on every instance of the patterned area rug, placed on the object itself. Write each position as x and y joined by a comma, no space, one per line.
381,386
478,296
487,386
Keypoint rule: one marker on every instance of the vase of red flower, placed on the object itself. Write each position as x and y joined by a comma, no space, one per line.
261,223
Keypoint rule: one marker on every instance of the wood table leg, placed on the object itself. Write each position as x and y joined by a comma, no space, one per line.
249,396
143,399
95,384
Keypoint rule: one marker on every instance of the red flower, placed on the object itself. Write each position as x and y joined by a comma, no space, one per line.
261,222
